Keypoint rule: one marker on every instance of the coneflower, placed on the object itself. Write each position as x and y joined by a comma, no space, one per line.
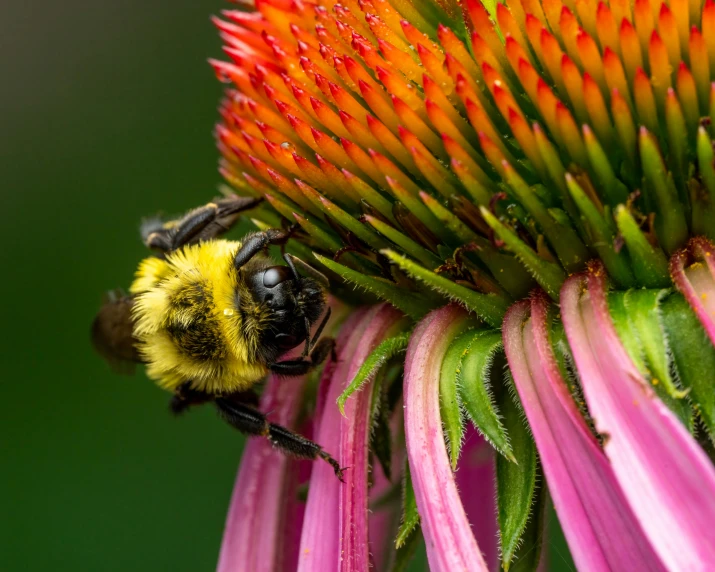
530,184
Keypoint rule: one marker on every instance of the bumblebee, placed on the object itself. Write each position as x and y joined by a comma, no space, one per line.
211,317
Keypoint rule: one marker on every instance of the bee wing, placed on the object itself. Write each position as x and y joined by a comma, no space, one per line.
112,333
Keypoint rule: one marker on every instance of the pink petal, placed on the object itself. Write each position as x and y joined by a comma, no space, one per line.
383,522
667,479
600,528
319,546
265,515
476,481
354,434
697,280
448,536
253,536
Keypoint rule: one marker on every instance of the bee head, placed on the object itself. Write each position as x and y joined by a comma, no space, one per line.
293,302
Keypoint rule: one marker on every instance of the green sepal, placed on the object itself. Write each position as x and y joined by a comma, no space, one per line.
619,315
506,269
550,276
563,239
405,553
341,217
677,147
423,214
555,168
636,315
449,402
529,553
670,223
490,307
372,197
388,349
266,219
614,191
361,231
628,139
477,190
703,194
601,236
448,219
649,264
405,243
410,516
450,14
562,352
412,305
445,252
473,382
643,307
237,183
380,434
258,187
267,215
516,482
421,16
283,205
323,238
694,357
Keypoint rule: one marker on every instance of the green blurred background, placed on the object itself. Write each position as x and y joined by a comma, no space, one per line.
107,111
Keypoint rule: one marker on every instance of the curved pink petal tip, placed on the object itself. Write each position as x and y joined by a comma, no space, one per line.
666,477
599,526
693,273
335,529
448,536
476,481
254,534
354,435
319,547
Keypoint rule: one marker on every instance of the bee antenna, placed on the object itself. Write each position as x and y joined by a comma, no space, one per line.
289,262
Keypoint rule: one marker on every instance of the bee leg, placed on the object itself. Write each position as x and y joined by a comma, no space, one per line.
301,366
203,223
185,397
252,422
256,242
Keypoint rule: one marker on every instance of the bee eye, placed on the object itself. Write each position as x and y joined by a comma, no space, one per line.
275,275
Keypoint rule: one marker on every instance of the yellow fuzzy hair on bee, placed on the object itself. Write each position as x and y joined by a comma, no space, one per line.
195,319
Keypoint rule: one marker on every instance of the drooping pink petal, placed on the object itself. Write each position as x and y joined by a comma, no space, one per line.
253,537
693,273
382,524
666,477
383,521
448,536
319,544
265,514
354,436
475,477
600,528
298,476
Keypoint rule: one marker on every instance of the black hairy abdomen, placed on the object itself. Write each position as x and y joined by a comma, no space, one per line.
191,324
